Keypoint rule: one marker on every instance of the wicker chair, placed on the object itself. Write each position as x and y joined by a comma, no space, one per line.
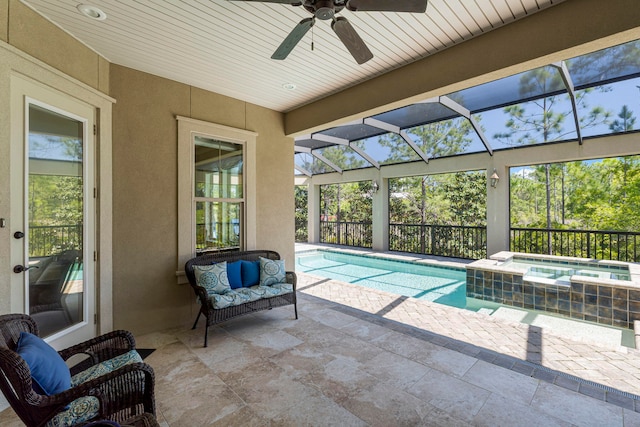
215,316
123,393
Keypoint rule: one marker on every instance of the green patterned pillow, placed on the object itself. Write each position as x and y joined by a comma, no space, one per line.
271,271
212,277
105,367
80,410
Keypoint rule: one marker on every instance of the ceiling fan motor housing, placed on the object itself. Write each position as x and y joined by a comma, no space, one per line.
323,9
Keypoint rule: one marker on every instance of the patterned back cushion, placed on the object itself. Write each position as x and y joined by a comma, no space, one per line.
271,271
212,277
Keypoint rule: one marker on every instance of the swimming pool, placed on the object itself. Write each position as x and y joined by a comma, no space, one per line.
444,285
561,271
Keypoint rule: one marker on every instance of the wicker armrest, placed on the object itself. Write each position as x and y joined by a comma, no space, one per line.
126,391
292,278
130,387
104,347
201,294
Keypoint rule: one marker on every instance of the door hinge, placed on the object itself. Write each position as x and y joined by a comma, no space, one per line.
95,255
95,193
95,318
95,129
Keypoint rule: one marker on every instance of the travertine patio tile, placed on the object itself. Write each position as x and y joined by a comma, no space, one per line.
584,410
500,411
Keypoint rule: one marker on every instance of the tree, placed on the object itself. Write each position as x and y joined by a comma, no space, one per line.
444,138
543,120
302,213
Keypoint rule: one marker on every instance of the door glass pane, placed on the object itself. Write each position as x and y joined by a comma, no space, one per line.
55,220
218,226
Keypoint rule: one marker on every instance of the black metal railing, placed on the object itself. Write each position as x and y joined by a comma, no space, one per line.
442,240
596,244
51,239
217,236
302,233
357,234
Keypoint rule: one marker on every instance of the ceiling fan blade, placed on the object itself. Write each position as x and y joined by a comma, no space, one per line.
293,38
413,6
351,40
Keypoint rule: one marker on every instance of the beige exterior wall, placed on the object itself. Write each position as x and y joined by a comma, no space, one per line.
145,295
145,155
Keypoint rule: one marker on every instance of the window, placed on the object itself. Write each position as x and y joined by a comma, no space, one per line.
218,194
216,189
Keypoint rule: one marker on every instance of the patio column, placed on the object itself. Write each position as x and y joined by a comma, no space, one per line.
498,210
380,216
313,213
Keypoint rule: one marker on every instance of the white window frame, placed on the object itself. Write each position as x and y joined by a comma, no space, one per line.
188,128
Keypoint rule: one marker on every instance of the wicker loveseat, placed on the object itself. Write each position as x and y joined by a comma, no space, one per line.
251,296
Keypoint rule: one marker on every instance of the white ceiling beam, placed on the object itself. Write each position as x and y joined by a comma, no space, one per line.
568,83
326,161
464,112
331,139
396,129
302,170
364,155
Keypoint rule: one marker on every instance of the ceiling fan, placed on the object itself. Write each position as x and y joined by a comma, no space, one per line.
327,9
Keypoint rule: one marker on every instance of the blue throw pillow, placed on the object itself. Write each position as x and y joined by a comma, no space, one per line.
49,373
234,275
250,273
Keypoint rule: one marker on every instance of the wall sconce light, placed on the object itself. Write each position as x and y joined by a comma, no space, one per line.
494,178
375,187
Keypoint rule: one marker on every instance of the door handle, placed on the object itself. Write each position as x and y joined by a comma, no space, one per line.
21,268
18,235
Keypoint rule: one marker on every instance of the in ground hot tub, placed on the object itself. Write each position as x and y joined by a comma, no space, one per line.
606,292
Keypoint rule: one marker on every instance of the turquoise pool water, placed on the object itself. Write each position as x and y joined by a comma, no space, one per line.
438,284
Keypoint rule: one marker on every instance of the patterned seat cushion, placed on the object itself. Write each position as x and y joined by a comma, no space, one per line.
105,367
79,411
228,299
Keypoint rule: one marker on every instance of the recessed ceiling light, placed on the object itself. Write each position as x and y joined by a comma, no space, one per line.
289,86
92,12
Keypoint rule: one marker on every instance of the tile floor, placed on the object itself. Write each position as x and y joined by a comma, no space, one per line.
346,364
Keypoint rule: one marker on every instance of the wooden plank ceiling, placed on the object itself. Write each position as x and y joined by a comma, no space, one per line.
225,46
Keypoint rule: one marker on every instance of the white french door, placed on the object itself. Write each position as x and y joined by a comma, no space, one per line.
53,216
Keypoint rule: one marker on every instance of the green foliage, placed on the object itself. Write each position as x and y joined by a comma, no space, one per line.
301,204
598,195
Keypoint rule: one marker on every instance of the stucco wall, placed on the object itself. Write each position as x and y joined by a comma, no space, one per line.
146,296
31,33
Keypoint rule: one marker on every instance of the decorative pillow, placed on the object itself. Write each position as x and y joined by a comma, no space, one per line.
212,277
80,410
250,273
233,274
49,373
271,271
105,367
